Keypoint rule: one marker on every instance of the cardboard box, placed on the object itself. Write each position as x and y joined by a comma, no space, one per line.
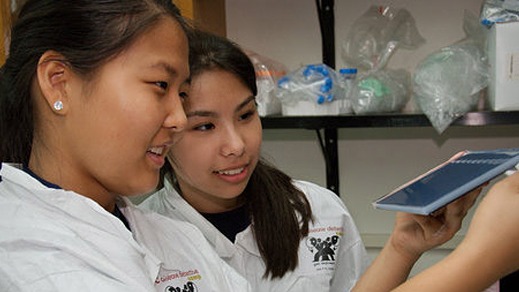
503,54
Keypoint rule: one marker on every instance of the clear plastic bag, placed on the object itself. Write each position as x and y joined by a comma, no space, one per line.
447,83
268,72
381,91
313,89
376,34
316,82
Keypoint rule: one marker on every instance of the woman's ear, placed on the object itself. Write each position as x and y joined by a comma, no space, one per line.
54,77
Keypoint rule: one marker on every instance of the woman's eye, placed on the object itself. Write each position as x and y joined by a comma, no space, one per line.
162,84
247,115
183,95
204,127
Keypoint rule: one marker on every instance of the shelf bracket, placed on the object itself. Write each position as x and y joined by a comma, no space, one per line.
330,152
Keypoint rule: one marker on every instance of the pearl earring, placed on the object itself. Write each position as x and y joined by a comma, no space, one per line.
58,105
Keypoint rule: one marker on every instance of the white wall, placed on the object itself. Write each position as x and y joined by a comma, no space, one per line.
372,161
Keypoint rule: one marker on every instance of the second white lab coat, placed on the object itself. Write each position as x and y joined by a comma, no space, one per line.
331,258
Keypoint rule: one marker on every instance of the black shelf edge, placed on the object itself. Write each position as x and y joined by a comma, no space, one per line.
389,120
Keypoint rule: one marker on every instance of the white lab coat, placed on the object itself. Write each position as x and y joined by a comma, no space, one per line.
57,240
331,258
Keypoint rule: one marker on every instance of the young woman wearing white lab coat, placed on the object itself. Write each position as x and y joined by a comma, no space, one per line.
90,97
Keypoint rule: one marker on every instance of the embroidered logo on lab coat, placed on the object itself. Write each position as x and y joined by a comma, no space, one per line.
178,281
318,250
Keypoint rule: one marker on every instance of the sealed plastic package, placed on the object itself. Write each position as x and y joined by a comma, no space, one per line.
372,40
381,91
312,90
448,83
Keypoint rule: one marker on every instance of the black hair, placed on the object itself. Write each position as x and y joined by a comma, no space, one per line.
88,33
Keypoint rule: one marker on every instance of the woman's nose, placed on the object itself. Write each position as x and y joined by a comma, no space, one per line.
233,143
176,119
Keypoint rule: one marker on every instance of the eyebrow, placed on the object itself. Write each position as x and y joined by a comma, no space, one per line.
213,114
245,102
166,67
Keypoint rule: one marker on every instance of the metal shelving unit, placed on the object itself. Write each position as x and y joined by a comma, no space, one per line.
327,126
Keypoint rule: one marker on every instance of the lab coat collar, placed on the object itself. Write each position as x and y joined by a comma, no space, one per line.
224,247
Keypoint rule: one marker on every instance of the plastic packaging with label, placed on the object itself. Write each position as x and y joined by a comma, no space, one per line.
348,77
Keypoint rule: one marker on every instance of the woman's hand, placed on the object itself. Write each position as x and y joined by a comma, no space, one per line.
411,237
491,244
414,234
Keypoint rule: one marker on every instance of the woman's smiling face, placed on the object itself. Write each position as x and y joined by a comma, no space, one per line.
120,124
214,157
